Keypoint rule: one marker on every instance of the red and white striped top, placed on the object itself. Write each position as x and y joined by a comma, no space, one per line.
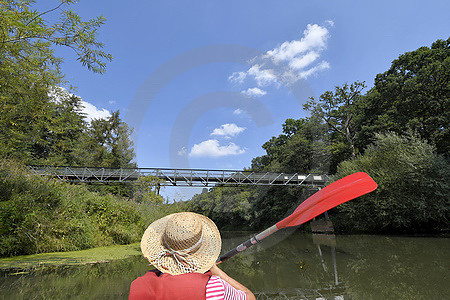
218,289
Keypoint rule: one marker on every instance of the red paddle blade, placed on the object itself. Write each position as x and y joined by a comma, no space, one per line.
343,190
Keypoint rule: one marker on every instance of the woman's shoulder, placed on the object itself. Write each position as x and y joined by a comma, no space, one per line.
218,289
215,288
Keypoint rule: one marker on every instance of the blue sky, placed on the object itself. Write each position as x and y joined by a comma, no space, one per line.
206,83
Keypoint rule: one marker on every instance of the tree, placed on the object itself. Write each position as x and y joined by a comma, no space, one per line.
147,188
23,27
107,144
413,192
69,128
413,94
338,110
59,136
230,207
300,148
31,129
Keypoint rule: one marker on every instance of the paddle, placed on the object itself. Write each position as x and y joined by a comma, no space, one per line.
338,192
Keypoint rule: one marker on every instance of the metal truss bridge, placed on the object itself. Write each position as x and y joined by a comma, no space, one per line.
178,177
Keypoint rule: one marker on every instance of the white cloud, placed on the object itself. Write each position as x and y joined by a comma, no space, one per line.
314,39
262,77
291,61
183,151
254,92
89,110
212,148
330,23
238,112
322,66
228,130
237,77
301,62
92,112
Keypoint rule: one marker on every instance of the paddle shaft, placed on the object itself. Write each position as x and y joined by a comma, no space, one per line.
248,243
343,190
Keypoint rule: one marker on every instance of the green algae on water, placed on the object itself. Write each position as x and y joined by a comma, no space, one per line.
55,259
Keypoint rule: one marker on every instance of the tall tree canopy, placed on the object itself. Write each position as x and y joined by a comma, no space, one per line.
40,122
107,144
413,94
300,148
338,110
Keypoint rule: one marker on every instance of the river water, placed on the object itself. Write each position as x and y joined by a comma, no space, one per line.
287,265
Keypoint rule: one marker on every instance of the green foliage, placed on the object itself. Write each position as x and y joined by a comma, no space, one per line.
59,135
145,188
30,122
275,203
228,207
413,193
338,110
300,148
23,27
412,94
44,215
40,122
66,127
107,144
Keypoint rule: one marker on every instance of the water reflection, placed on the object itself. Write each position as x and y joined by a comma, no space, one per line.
290,265
302,270
95,281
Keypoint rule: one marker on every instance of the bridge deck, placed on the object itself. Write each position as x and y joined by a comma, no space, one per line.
178,177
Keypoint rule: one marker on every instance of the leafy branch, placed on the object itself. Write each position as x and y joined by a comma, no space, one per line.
21,24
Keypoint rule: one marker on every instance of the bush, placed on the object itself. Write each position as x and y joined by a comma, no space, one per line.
39,214
413,194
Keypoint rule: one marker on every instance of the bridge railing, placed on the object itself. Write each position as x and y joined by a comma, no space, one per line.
178,177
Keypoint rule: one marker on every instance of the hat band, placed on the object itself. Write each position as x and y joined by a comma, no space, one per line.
188,250
186,264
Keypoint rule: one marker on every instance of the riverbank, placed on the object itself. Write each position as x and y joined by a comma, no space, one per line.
25,263
43,215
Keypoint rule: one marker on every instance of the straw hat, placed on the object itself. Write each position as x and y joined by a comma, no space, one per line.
181,243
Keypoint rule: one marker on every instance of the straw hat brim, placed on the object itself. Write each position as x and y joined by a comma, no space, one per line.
205,257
